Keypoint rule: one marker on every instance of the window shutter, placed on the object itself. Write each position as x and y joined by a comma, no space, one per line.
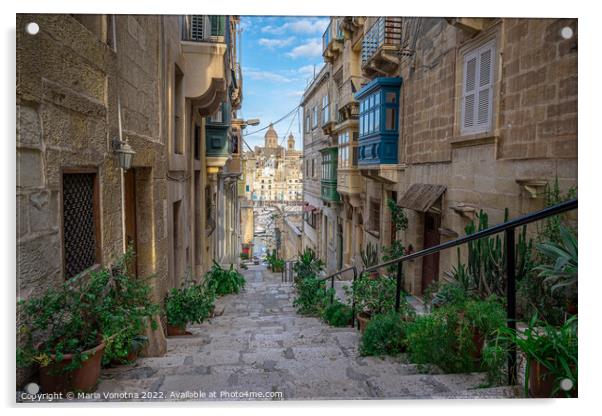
485,90
469,93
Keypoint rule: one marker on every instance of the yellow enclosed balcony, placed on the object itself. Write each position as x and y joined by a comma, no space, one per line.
204,47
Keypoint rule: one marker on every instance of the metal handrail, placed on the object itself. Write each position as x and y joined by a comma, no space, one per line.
508,228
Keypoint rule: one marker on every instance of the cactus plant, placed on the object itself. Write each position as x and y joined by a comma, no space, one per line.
370,255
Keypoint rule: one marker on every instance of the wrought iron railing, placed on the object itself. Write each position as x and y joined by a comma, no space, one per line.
384,31
203,28
508,228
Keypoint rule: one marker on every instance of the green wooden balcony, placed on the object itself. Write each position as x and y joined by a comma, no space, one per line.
328,181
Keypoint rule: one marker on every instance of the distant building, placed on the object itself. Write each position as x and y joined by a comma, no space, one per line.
273,172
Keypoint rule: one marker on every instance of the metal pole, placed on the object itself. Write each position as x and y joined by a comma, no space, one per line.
353,300
511,301
398,287
332,291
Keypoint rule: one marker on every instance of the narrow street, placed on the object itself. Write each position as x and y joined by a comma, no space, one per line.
260,344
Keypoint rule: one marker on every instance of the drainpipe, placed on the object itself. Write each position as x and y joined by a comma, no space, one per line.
120,127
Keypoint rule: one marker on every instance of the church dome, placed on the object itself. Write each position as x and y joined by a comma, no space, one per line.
271,137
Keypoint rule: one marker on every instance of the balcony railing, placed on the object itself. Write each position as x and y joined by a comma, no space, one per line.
203,28
333,32
386,31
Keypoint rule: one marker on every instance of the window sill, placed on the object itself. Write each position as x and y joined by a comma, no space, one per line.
476,139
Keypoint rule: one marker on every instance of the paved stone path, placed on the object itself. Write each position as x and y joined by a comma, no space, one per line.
261,345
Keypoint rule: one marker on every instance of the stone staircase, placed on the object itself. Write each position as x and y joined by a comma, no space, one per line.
261,345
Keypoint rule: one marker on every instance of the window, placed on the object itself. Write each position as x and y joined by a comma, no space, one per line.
370,114
313,171
325,112
178,112
81,225
374,220
477,89
315,117
307,120
197,142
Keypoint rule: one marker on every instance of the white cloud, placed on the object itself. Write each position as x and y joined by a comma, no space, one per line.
295,93
276,43
299,25
260,75
310,49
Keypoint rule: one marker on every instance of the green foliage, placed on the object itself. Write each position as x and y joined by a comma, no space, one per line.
370,255
561,270
487,316
374,296
554,348
193,303
385,334
398,216
308,264
311,295
224,282
439,339
448,294
550,230
337,314
107,306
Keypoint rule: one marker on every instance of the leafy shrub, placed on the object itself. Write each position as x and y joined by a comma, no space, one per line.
312,296
224,282
487,316
385,335
374,296
103,306
308,264
439,339
189,304
337,314
555,348
449,294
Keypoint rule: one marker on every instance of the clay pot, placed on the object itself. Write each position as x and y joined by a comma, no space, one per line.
541,380
53,380
363,319
479,341
176,331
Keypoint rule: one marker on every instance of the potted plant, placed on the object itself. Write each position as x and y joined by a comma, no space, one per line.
552,357
188,304
278,265
560,272
308,264
222,281
63,332
484,318
372,296
370,258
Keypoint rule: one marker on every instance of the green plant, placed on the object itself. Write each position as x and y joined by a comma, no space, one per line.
370,255
449,294
561,272
311,295
440,339
385,335
224,281
398,215
487,316
308,264
337,314
549,231
278,264
107,306
554,348
189,304
374,296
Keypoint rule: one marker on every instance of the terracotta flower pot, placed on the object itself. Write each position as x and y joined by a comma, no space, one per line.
54,380
175,331
541,380
363,319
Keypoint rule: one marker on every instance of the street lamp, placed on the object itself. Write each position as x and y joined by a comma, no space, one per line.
124,152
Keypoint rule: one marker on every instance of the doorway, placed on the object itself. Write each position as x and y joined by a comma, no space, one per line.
430,263
131,233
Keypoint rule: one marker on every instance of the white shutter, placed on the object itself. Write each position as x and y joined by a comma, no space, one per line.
477,99
469,91
485,88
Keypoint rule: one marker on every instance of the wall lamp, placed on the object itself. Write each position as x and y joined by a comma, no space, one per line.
124,152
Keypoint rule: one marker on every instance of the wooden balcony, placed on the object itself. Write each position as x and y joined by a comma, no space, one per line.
381,47
349,181
332,41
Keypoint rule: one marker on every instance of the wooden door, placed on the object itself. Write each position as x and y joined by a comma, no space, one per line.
130,217
430,263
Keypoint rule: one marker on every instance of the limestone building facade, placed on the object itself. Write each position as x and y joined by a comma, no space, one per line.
168,86
445,116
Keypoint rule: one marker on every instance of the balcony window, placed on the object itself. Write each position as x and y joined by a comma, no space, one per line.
378,126
325,113
200,28
347,150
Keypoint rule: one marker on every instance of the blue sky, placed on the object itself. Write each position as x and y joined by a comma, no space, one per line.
278,58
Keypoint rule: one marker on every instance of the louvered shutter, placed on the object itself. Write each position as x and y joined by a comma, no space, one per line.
469,91
477,101
484,109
